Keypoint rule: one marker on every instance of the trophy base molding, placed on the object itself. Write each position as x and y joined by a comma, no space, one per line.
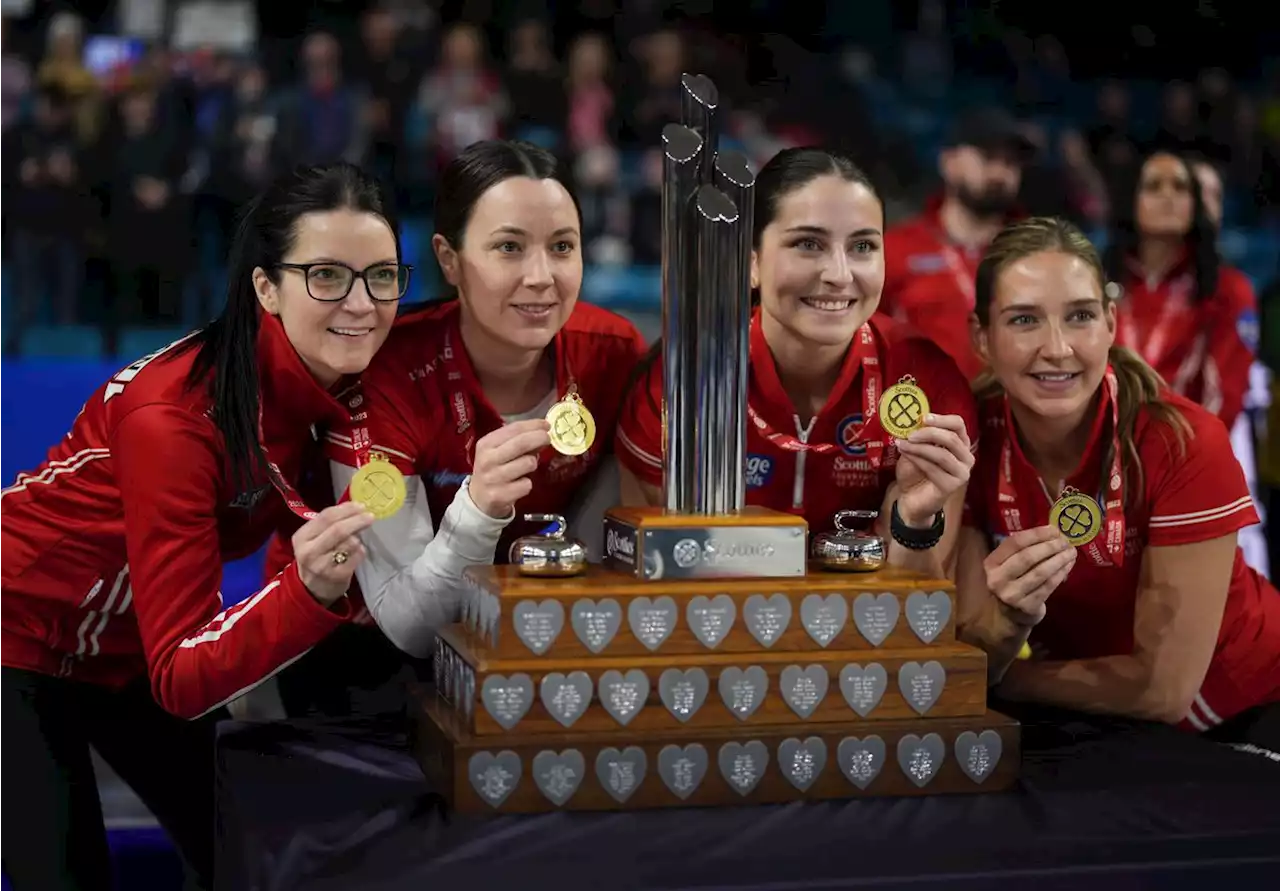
526,773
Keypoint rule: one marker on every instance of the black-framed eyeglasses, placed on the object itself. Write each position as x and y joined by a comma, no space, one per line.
331,282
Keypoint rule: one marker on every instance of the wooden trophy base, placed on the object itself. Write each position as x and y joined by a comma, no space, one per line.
653,543
603,612
626,769
530,695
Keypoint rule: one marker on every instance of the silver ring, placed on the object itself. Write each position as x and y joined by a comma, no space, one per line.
339,557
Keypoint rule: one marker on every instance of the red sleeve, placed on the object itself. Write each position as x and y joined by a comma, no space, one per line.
399,421
1198,492
200,656
279,555
1233,342
639,440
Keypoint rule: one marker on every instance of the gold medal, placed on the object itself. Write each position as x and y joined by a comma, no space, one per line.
1078,517
903,408
379,486
573,430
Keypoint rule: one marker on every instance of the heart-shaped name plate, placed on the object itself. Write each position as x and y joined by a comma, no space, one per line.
861,760
682,769
978,754
538,624
494,777
558,774
767,618
507,700
824,617
743,691
743,764
863,688
622,695
803,689
875,615
652,621
621,773
566,697
921,685
595,624
802,762
683,692
928,614
710,618
919,758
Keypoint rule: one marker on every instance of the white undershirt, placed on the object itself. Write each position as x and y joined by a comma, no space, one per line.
412,573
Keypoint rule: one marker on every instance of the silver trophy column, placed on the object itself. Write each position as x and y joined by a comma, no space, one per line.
706,264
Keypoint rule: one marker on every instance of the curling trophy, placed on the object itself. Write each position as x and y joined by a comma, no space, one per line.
718,655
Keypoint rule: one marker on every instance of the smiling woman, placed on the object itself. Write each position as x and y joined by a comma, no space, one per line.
1101,522
820,358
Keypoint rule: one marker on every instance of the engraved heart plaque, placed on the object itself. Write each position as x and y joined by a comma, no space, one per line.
921,758
682,769
494,777
875,616
710,618
683,692
507,700
802,762
558,775
743,691
861,759
566,698
620,773
538,624
767,618
928,614
803,689
978,753
863,688
622,695
824,617
595,623
652,621
921,685
742,764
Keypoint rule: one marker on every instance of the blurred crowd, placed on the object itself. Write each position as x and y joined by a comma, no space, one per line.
121,181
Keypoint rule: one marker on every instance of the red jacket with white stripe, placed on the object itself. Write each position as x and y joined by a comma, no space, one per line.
1202,348
1192,495
111,551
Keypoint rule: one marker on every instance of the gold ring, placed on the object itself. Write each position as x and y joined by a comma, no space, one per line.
339,557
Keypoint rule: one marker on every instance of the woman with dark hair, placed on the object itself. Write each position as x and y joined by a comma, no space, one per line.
1189,316
114,629
1102,517
458,398
819,361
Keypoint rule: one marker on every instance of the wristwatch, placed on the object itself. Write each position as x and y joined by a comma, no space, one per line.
915,539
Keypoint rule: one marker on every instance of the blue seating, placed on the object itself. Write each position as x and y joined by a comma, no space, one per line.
62,341
134,343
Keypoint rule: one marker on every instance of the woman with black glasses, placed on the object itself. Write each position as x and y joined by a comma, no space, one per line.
114,630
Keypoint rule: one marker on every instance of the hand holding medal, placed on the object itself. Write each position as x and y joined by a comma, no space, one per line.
935,452
504,461
1025,569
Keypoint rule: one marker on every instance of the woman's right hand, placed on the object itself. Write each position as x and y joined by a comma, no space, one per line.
504,461
1026,568
327,550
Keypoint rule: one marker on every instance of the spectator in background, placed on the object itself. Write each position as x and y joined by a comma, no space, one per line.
656,101
1211,191
147,237
63,67
591,132
15,78
49,208
462,98
1111,140
536,85
1189,315
323,119
390,74
930,260
1180,130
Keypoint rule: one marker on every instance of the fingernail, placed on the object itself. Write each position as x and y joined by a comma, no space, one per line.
930,418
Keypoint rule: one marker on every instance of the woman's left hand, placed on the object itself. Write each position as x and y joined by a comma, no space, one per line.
934,464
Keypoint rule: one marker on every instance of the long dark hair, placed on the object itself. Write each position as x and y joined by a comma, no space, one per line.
788,171
1138,385
1201,240
480,167
227,361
